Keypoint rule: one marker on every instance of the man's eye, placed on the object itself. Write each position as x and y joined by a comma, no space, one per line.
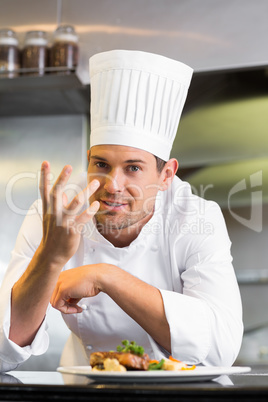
101,165
133,168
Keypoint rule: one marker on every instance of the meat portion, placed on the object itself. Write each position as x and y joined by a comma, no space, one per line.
127,359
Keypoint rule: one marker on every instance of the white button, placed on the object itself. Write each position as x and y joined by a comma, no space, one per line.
89,347
154,247
91,250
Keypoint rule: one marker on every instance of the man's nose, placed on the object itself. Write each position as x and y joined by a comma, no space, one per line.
114,182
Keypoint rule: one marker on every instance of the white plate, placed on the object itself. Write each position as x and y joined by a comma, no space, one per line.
198,374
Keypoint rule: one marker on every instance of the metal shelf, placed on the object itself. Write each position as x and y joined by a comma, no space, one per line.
50,94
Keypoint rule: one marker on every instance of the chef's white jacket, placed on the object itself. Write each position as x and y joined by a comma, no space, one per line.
184,251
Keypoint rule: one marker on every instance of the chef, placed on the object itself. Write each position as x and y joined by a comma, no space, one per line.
146,260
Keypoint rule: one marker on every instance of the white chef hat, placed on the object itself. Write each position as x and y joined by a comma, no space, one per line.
137,100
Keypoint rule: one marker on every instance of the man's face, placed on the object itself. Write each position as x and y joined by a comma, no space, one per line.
129,182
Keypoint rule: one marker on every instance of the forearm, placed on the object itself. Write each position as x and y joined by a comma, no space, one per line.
32,292
140,301
30,298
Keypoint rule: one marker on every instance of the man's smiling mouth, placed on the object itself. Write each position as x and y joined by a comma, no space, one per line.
113,204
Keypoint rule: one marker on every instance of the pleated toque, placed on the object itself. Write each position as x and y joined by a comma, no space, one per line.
137,99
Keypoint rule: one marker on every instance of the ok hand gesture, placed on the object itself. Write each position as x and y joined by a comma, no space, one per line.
62,221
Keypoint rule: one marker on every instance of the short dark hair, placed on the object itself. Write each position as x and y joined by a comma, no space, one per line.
159,164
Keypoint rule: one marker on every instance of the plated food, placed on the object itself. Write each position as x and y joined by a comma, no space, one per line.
129,356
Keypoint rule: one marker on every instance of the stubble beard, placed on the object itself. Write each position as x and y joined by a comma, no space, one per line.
111,223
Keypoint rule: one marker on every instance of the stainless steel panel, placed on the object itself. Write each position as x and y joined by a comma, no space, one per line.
24,144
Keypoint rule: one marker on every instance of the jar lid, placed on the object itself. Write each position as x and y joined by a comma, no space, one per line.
8,37
38,38
65,33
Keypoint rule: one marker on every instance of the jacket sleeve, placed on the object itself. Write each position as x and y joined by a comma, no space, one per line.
205,318
29,237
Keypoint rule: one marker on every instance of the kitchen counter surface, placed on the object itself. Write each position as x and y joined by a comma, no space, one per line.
54,386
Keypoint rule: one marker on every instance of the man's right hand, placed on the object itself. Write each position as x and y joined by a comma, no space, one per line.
62,225
62,221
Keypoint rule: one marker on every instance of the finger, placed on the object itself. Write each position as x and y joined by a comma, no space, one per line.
72,305
83,197
62,302
69,306
56,194
44,185
67,309
64,200
88,214
75,224
92,187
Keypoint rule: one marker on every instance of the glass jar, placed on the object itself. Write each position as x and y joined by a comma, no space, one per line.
35,52
9,54
64,50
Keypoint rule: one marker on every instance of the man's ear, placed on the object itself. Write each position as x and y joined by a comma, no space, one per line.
168,173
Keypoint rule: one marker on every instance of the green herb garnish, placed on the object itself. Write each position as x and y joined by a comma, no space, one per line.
156,366
131,347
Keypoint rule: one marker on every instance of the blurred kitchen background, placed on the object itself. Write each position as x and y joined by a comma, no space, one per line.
222,141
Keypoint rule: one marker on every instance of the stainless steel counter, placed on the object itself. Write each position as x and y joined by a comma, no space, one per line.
53,386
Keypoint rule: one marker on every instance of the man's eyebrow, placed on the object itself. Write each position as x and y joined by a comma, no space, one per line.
134,161
100,158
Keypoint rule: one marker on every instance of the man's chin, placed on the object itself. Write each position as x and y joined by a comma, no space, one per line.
111,223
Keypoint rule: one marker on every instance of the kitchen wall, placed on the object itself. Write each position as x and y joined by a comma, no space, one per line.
250,255
24,143
206,34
